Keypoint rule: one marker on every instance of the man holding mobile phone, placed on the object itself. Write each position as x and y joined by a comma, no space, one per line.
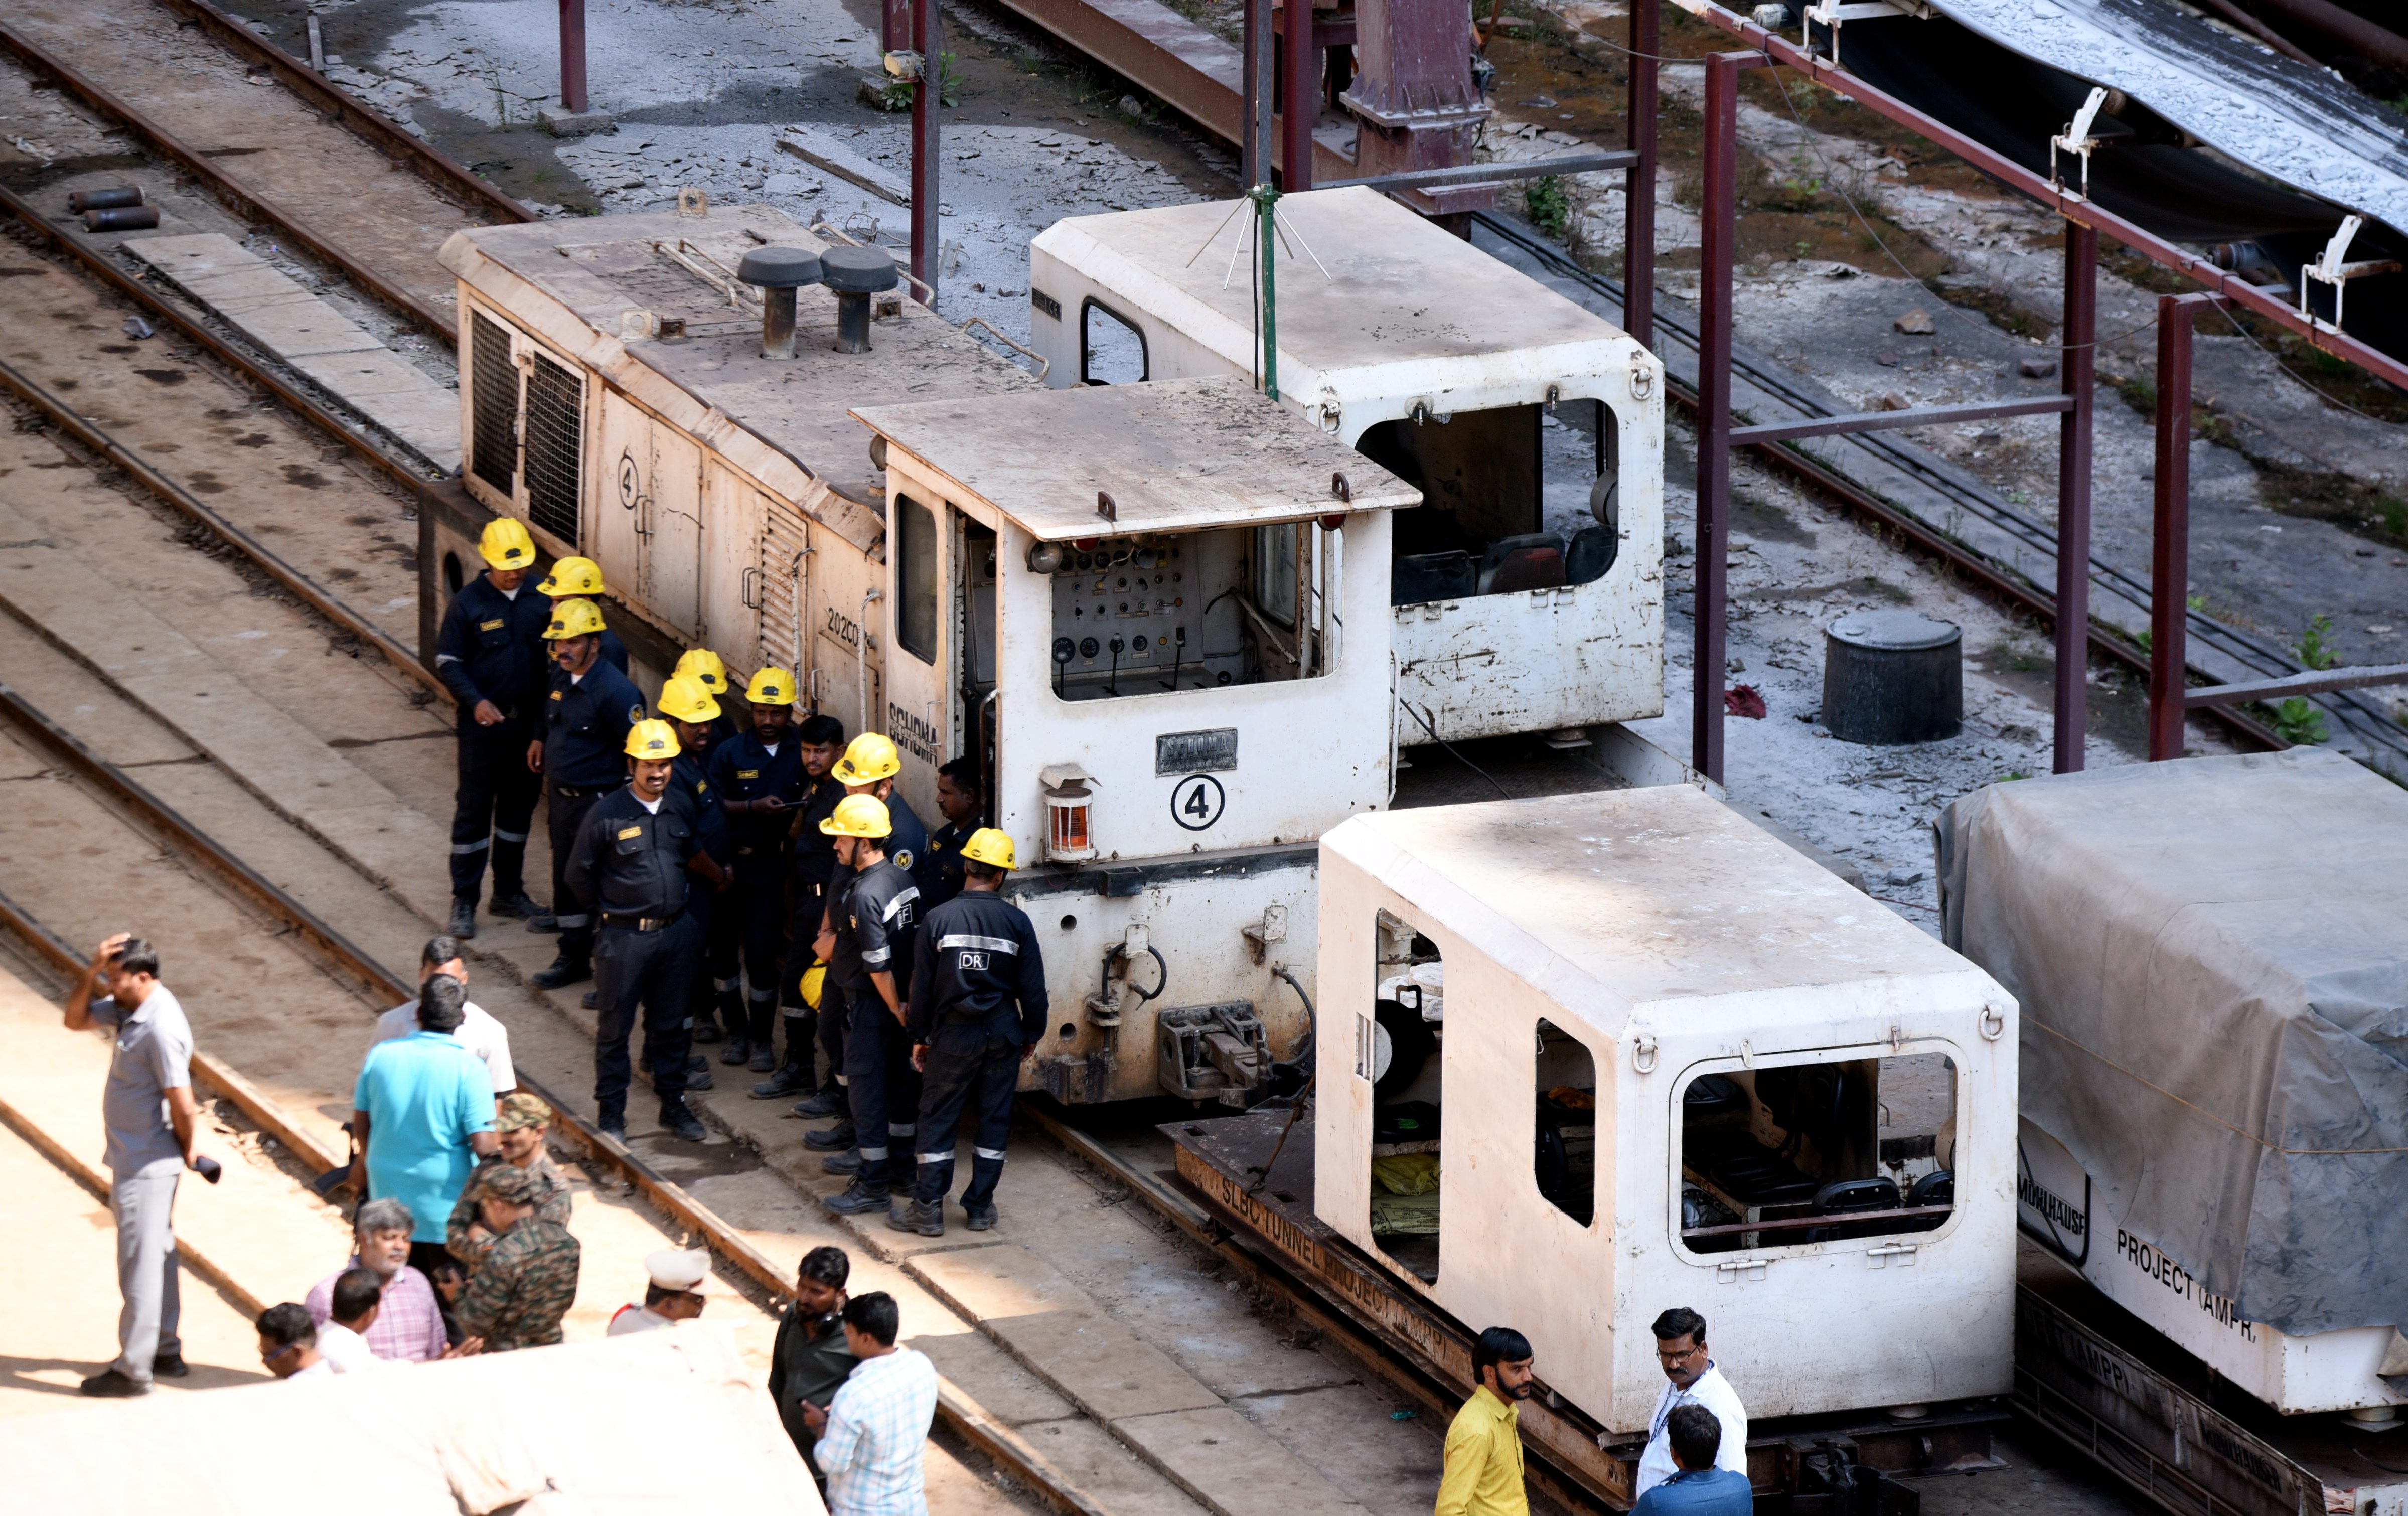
148,1111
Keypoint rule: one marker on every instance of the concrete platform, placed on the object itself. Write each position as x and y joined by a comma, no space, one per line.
343,358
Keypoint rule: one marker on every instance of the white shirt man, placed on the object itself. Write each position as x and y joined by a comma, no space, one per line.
679,1279
1691,1379
345,1350
482,1036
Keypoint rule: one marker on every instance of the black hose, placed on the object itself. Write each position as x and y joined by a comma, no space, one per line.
1312,1029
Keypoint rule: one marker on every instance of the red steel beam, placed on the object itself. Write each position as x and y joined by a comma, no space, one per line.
1178,62
2170,545
2072,206
2078,385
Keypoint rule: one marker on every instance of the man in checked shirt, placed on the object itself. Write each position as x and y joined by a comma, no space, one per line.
872,1433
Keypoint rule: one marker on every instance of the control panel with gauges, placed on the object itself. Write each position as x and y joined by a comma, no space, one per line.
1148,614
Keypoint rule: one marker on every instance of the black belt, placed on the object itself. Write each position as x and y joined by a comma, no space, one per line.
578,792
642,923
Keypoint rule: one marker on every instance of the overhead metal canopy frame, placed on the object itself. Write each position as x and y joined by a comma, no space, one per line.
1923,101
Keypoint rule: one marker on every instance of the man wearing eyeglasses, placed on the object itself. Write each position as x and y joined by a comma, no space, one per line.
1681,1349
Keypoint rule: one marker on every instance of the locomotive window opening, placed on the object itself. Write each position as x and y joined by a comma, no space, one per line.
915,579
556,447
1397,1052
1153,614
454,575
1515,498
493,405
1111,350
1783,1156
1563,1148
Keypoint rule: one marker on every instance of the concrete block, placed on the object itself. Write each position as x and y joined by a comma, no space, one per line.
1050,1324
1003,1389
561,123
299,331
371,373
1231,1465
1091,1461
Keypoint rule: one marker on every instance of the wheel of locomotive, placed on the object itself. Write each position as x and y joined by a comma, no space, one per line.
1401,1043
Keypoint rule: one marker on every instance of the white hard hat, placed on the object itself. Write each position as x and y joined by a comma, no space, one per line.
676,1268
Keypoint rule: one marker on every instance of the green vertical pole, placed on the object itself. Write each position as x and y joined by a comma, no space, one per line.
1265,199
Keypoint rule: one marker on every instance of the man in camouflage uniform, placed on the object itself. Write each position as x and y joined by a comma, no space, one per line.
529,1277
522,1125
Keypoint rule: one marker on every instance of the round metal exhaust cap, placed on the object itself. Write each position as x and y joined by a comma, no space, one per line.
1893,677
858,270
779,268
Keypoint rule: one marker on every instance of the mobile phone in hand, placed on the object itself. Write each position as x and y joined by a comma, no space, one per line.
208,1168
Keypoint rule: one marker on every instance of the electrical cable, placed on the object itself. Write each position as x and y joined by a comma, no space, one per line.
1502,792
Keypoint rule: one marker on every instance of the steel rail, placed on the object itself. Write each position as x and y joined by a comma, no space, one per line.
90,260
339,105
241,201
2053,197
305,588
2000,584
965,1417
1316,1311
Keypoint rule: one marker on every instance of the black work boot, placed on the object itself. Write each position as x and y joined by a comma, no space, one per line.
463,923
706,1032
785,1082
858,1199
921,1217
516,903
565,971
737,1051
832,1139
682,1123
841,1163
612,1123
830,1101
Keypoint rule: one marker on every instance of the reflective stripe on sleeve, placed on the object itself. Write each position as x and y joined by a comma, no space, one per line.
902,897
876,957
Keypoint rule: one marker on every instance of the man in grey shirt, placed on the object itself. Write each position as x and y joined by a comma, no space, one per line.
149,1112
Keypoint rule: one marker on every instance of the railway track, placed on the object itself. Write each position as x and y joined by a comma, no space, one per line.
275,142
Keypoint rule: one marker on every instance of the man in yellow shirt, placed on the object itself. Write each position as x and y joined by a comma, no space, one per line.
1483,1448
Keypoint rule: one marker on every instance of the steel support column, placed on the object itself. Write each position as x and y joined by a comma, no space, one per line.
1300,95
2170,543
895,25
1254,145
1415,98
572,57
2078,381
1639,181
927,207
1718,234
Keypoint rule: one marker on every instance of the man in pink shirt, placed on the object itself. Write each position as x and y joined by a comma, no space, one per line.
408,1326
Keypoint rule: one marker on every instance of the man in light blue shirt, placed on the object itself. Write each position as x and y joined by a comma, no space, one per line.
1697,1487
423,1115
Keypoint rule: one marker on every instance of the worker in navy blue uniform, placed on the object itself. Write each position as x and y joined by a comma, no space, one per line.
759,777
687,706
959,802
867,767
977,1010
581,578
630,866
869,945
491,655
821,738
705,668
582,757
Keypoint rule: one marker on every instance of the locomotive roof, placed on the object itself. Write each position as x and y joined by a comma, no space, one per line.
1397,290
571,282
1612,900
1176,455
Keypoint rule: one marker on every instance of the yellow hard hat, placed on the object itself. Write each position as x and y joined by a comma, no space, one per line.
770,687
683,699
988,846
655,741
506,543
814,980
858,815
703,665
869,759
572,576
573,618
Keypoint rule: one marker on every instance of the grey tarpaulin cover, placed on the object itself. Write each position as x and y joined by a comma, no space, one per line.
2211,959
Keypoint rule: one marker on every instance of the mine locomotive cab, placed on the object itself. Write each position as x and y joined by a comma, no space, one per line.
1680,1065
1532,427
1154,616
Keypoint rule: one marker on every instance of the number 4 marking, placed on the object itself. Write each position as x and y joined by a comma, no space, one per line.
1196,802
